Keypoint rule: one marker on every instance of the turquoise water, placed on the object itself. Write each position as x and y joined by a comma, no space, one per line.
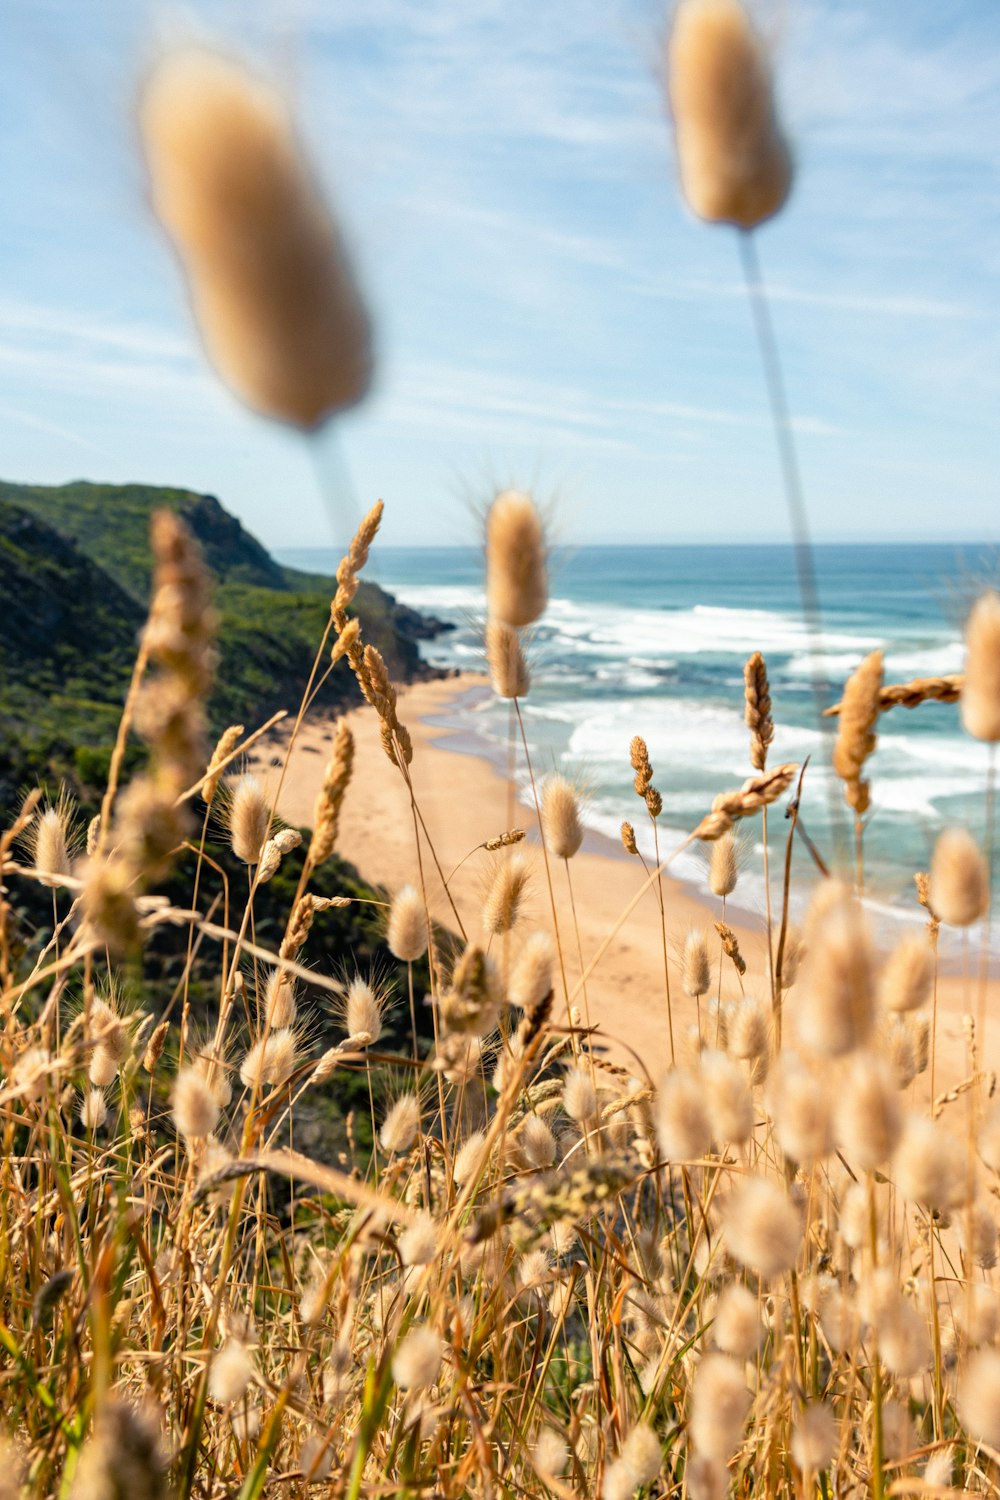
652,641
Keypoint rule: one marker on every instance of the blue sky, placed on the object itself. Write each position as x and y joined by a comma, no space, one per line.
548,314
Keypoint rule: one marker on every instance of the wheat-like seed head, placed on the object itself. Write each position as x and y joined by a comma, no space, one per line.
326,815
225,746
757,710
859,711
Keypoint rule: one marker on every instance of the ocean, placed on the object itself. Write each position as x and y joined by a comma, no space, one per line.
652,641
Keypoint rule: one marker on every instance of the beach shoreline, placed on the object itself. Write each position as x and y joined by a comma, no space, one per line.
464,800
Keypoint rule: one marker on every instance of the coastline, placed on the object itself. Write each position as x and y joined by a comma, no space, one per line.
464,799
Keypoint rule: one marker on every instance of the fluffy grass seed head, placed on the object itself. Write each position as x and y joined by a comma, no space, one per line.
107,1024
502,905
279,1000
929,1165
195,1107
401,1124
471,1006
122,1455
418,1243
248,817
93,1109
230,1373
407,932
50,840
959,886
641,1455
417,1360
836,1005
29,1076
979,1397
724,865
737,1328
814,1437
469,1158
561,825
734,164
799,1105
727,1098
537,1142
706,1478
531,976
748,1029
270,1062
683,1126
579,1095
696,971
720,1402
908,974
980,700
549,1453
103,1068
516,567
363,1010
762,1227
270,283
508,669
977,1235
868,1117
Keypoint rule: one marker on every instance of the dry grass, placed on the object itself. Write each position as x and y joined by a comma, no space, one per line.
767,1269
771,1268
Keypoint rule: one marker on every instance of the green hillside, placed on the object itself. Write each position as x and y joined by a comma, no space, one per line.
74,578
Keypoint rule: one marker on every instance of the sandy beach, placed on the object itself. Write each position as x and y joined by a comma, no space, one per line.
463,801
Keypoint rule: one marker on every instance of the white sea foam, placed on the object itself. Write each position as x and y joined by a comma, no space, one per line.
603,671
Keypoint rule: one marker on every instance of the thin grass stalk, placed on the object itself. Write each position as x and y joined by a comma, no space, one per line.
989,841
661,902
795,500
545,860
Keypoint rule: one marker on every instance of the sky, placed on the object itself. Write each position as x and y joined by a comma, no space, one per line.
548,313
